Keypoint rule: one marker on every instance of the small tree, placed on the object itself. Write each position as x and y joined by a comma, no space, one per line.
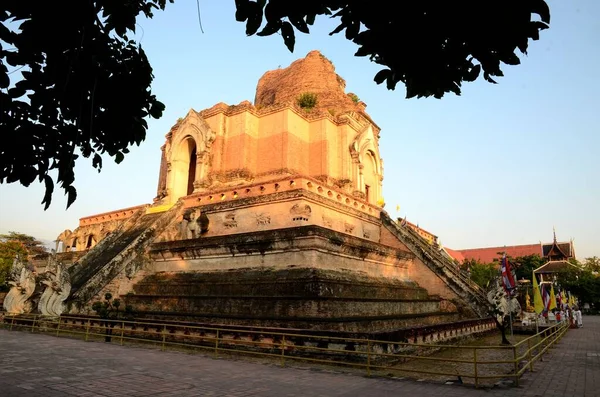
109,310
354,97
592,264
481,273
11,245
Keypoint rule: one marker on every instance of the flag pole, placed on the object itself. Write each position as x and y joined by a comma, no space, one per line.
510,313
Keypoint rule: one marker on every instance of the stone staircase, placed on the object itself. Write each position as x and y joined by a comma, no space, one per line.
441,265
110,256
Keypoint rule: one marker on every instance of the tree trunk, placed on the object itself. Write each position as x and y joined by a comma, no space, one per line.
502,327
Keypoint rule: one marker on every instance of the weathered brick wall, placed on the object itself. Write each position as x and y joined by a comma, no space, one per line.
313,74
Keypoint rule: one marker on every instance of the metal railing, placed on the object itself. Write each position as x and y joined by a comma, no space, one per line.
372,356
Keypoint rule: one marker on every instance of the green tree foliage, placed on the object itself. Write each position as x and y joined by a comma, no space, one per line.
32,245
592,264
8,251
13,244
481,273
525,265
583,283
432,47
354,97
83,87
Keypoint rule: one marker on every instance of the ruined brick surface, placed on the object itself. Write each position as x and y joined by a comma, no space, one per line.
313,74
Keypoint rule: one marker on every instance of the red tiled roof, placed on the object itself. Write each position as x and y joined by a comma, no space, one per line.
455,254
487,255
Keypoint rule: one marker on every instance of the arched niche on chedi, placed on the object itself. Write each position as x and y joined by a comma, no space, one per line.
185,158
367,165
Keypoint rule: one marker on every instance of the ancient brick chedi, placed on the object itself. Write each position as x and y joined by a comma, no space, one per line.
270,214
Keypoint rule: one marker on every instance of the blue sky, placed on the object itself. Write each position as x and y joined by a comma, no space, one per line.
500,165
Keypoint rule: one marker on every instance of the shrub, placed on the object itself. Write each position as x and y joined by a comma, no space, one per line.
354,97
307,100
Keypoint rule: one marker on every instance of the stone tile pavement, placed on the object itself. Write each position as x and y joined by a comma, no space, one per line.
47,366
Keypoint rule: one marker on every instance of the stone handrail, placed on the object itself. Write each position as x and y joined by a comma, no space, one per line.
446,262
441,265
118,263
99,248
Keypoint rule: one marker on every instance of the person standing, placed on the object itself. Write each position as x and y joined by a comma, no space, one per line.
578,317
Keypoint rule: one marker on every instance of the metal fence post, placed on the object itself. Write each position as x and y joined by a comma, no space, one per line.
516,366
368,358
164,337
475,368
217,345
58,326
529,355
542,346
283,351
33,324
87,330
122,329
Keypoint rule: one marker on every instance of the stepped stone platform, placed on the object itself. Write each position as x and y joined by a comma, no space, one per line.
297,297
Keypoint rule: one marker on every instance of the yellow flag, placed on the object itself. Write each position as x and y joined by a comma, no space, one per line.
398,208
552,298
538,304
563,297
571,300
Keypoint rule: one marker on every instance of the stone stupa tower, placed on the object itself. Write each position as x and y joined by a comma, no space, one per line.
271,214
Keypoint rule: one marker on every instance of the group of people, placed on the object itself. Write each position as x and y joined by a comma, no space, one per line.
572,315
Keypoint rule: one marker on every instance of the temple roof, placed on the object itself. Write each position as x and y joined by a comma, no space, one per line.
491,254
556,248
554,266
314,74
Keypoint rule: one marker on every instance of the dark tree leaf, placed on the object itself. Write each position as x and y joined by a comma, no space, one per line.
270,28
541,8
487,77
510,59
338,29
71,195
382,75
299,24
97,162
473,73
362,52
287,31
241,12
255,16
49,184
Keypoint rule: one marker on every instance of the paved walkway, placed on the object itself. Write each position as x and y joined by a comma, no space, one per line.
47,366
